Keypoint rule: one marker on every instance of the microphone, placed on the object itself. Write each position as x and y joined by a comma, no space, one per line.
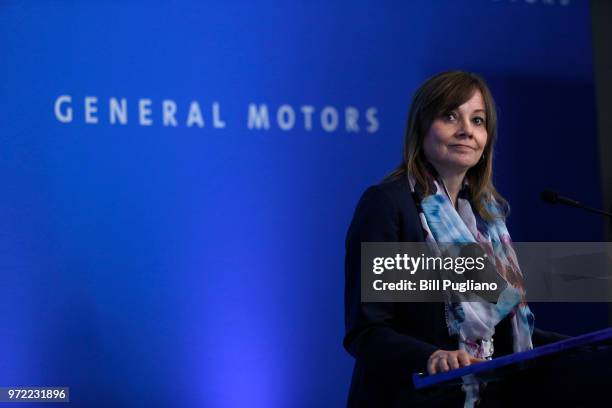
552,197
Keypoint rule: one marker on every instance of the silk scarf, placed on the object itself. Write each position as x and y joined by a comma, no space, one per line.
474,322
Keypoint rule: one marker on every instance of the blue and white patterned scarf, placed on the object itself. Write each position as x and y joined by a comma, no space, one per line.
474,322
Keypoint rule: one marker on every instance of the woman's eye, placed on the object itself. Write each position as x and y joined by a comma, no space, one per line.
479,121
450,115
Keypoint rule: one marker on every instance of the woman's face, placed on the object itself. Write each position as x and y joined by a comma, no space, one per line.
456,140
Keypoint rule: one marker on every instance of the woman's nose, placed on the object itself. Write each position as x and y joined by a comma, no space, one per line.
465,129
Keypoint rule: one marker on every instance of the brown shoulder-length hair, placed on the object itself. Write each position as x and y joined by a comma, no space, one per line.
436,96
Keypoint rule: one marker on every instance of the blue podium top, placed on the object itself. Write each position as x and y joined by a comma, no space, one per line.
422,380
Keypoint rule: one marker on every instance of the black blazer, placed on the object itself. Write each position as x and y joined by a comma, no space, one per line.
390,341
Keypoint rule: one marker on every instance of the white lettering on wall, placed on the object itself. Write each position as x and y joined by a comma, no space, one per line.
168,112
329,119
217,121
372,120
144,112
63,117
351,115
285,116
195,115
91,109
117,111
307,110
258,117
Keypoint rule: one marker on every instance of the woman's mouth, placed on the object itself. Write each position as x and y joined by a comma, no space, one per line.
461,147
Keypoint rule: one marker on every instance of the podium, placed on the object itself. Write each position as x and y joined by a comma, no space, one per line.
573,372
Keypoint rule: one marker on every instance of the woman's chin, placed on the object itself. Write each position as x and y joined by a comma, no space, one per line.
461,165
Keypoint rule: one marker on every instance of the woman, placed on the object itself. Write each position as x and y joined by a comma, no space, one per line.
441,192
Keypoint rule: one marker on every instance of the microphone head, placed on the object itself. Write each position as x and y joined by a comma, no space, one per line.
549,196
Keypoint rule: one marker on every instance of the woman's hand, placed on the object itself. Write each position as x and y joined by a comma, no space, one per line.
445,360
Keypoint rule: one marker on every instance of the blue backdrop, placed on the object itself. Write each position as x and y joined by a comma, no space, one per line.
163,244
